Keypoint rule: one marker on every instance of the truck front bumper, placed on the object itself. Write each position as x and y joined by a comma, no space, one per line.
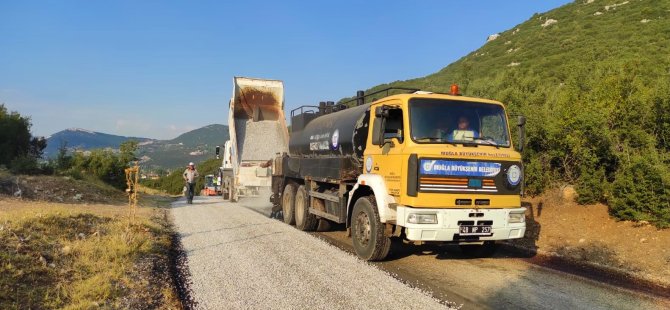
448,224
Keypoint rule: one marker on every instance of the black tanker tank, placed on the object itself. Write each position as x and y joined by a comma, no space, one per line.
341,133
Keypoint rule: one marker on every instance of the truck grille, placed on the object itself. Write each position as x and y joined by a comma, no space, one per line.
446,184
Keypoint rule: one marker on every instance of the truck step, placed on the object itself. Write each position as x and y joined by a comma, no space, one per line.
329,197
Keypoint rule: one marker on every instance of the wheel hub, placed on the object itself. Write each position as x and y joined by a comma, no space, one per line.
298,209
285,204
363,228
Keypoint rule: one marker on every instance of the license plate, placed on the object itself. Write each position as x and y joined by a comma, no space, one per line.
474,230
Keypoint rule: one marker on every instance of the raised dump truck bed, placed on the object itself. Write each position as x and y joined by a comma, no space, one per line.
257,132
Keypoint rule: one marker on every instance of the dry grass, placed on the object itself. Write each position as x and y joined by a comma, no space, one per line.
84,256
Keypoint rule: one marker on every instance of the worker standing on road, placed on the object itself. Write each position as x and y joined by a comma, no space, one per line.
189,176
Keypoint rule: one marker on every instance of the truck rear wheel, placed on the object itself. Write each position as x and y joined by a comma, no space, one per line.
304,220
367,231
231,195
225,193
479,250
232,192
288,203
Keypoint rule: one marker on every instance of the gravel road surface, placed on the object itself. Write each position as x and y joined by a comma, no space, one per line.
240,259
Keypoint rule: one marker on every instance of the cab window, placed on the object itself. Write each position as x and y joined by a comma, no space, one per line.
394,125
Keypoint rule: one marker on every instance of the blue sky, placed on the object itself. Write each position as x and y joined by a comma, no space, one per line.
159,68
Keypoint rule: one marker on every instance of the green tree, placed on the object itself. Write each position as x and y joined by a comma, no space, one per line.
63,159
127,151
18,148
14,135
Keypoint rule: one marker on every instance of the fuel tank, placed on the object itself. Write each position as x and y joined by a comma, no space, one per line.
341,133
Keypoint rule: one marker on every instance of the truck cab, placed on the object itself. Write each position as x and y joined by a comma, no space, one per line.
447,168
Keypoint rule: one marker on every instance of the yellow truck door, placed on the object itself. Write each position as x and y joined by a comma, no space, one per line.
386,159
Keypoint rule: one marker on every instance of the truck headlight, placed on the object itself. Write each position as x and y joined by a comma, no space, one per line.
514,175
516,217
418,218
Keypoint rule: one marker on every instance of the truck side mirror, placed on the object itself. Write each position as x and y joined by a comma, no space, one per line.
218,150
378,112
521,122
378,126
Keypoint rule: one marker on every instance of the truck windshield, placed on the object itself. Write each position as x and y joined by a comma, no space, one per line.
458,122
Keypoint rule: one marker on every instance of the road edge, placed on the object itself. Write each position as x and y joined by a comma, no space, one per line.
594,271
179,271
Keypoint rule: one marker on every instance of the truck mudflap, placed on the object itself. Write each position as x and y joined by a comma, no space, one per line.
461,225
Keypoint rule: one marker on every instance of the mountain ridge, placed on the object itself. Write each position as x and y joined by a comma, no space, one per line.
79,138
194,145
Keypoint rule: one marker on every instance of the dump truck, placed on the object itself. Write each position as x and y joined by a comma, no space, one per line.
415,165
258,132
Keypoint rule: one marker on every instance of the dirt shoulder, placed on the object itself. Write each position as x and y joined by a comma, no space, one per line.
62,189
587,235
86,255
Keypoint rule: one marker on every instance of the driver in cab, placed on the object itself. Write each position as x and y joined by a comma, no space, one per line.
463,132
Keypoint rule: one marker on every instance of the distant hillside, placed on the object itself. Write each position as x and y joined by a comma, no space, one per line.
196,145
77,138
210,135
593,78
588,38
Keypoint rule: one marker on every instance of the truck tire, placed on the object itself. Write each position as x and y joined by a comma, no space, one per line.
479,250
225,194
232,193
304,220
288,203
367,231
224,189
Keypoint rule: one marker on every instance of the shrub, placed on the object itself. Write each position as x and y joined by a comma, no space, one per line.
641,191
591,186
536,176
24,165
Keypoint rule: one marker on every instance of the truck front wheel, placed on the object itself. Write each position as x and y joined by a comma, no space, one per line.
304,220
288,203
367,231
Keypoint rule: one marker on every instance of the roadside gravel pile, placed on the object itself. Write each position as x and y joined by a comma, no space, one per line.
239,258
259,140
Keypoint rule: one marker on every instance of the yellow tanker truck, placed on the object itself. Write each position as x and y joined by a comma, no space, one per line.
420,166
